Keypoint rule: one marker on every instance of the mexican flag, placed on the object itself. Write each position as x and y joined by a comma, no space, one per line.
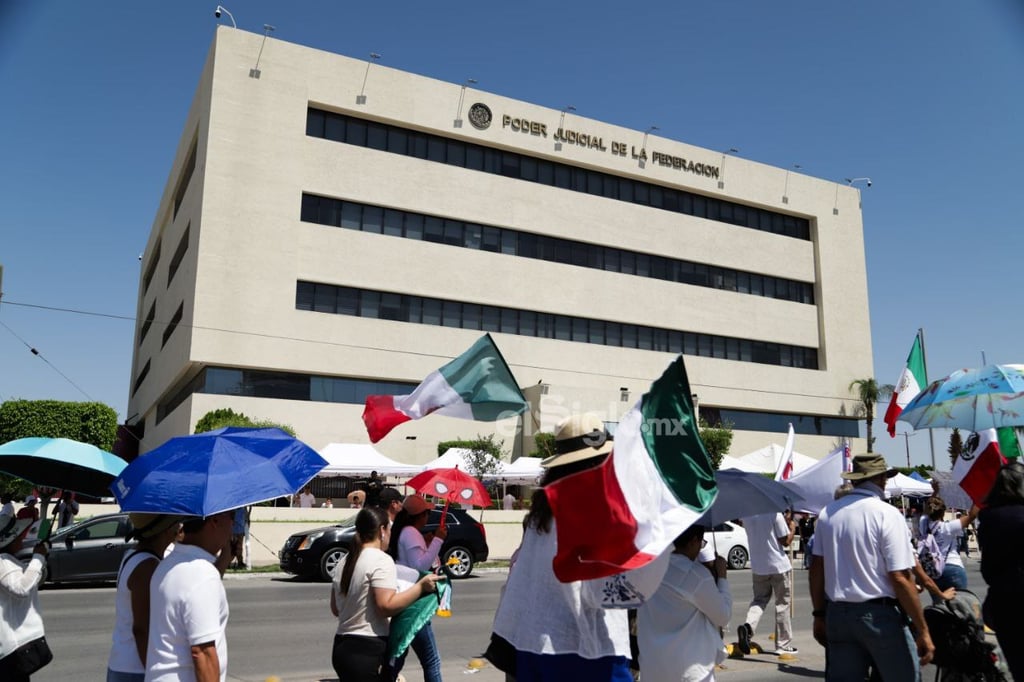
477,385
975,471
911,382
1008,443
657,482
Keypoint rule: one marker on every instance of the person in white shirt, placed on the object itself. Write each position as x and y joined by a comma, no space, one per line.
508,502
7,499
947,535
20,620
861,587
364,596
189,607
306,499
678,627
155,532
771,573
567,631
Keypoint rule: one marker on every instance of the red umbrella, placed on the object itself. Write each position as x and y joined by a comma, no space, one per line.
451,485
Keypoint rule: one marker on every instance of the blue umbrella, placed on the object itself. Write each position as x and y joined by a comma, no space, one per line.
207,473
61,463
971,399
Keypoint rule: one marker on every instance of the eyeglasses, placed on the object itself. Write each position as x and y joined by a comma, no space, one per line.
703,544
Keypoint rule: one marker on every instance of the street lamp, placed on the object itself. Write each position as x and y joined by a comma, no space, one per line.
361,97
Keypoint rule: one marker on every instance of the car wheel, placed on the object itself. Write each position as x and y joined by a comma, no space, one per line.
458,562
329,562
737,558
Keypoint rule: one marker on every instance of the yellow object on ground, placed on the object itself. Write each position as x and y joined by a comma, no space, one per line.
476,663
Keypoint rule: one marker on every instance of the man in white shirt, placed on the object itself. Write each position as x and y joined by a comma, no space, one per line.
771,573
306,498
862,589
188,606
678,627
508,503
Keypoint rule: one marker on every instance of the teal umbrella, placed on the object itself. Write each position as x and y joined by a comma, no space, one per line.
971,399
61,463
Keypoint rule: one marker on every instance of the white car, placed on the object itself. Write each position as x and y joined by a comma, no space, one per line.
730,541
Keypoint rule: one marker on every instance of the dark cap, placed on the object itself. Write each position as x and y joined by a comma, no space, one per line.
389,495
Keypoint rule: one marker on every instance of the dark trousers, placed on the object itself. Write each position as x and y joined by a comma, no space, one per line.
1002,613
359,659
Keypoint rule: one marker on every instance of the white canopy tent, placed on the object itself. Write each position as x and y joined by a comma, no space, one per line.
360,459
524,470
901,484
766,460
729,463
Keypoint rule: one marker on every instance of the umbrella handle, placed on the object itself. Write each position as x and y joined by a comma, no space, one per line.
444,514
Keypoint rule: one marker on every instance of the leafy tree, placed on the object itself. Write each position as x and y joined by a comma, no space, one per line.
225,416
544,445
717,440
956,447
868,393
484,453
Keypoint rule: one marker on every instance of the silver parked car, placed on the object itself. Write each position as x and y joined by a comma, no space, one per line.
88,551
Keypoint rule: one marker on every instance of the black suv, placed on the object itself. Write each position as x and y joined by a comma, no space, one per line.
316,553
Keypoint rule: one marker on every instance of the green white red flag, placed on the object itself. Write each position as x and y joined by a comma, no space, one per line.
477,385
976,468
657,482
911,382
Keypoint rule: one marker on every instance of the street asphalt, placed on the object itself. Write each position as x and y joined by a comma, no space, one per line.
281,629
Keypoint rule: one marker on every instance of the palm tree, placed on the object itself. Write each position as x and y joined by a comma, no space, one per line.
869,392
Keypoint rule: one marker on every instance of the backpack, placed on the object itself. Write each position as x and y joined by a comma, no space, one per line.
958,633
933,561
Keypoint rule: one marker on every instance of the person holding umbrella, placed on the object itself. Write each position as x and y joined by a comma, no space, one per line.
409,548
23,648
189,607
127,660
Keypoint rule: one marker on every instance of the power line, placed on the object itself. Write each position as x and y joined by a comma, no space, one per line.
337,344
43,358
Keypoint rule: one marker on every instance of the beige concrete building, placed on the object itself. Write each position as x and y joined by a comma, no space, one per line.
333,228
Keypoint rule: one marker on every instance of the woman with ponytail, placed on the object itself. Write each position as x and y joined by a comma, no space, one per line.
364,596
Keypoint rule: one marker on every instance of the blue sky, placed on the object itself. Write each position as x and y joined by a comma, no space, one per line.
924,98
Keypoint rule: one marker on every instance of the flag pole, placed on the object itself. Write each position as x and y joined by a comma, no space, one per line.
924,359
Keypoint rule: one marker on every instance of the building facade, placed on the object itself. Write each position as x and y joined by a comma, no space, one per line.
332,228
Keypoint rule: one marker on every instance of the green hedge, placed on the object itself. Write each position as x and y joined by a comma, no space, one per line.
93,423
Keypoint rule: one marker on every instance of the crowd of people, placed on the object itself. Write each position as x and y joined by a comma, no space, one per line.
171,608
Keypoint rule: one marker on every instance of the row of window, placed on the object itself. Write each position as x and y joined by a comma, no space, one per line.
283,385
328,298
396,140
773,422
389,221
295,386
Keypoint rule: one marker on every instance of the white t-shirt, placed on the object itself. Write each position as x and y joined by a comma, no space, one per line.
862,539
508,502
188,606
677,628
767,556
124,656
947,534
357,610
306,500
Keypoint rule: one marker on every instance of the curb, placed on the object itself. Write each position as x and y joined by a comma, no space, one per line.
281,575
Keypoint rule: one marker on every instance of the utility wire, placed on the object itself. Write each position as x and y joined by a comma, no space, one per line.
392,350
43,358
